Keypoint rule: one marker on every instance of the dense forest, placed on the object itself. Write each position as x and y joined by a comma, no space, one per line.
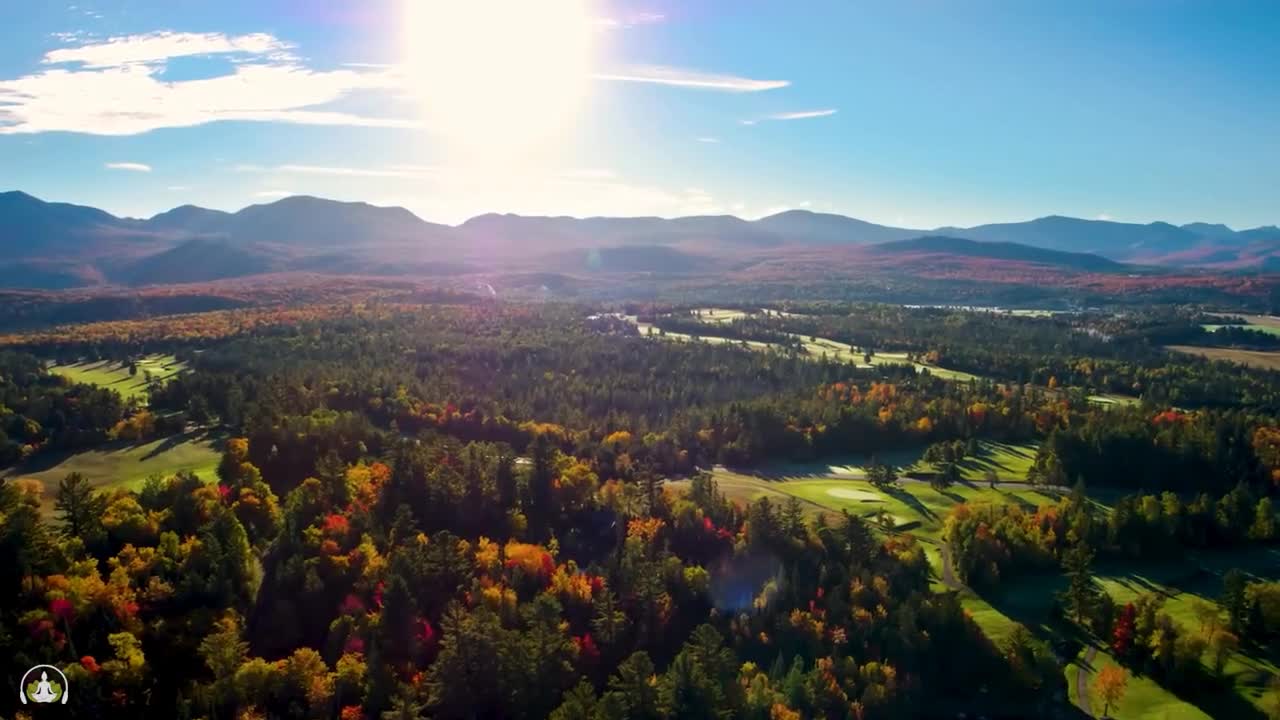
466,510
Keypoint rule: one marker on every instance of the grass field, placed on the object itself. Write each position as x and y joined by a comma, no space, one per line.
1269,329
817,347
1113,399
1253,358
116,375
917,509
125,465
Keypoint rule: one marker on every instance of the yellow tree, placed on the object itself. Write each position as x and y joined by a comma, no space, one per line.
1110,684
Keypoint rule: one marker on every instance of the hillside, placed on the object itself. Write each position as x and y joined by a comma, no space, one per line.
941,245
52,245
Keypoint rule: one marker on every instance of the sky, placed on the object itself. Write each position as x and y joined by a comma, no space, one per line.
914,113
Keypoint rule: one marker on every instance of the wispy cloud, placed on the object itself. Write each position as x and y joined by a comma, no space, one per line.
680,77
1103,216
708,139
275,194
114,87
130,166
178,188
158,46
802,115
629,21
403,172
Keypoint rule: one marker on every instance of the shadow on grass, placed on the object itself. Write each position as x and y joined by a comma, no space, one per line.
173,441
47,461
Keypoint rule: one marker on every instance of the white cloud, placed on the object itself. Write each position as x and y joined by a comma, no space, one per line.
805,204
1103,216
276,194
680,77
159,46
117,86
802,115
708,139
400,172
114,88
178,188
629,21
746,122
130,166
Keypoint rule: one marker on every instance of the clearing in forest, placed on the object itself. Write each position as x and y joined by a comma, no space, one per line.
124,464
1267,360
115,375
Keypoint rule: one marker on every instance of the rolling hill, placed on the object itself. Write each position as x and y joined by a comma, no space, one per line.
941,245
58,245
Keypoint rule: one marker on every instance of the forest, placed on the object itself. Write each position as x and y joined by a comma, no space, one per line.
466,509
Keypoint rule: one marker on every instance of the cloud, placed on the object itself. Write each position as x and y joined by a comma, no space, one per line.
805,203
802,115
403,172
680,77
708,139
1103,216
130,166
158,46
178,188
277,194
115,88
629,21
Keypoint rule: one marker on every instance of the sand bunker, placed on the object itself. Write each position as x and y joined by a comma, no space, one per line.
851,494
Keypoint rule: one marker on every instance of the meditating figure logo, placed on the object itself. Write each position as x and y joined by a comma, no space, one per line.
43,690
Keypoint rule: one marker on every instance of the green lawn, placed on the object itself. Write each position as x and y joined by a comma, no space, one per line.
114,375
1113,399
1144,699
817,347
125,465
919,510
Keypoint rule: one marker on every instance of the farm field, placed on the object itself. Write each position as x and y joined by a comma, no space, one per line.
116,375
125,465
1253,358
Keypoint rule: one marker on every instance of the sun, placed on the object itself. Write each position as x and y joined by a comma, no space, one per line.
499,78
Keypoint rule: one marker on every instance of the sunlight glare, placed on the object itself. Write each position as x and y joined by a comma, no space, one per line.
498,77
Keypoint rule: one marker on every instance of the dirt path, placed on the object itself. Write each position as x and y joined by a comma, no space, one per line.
948,572
1082,681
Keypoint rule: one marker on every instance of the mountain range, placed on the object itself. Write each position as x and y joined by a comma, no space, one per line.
58,245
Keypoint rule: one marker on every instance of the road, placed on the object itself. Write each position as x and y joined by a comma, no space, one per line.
1082,681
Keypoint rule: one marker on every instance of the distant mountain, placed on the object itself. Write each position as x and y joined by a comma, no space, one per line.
200,260
33,228
54,245
189,218
1104,237
941,245
810,228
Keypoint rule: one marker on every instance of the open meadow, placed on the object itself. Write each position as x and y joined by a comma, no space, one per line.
116,375
124,464
1266,360
816,347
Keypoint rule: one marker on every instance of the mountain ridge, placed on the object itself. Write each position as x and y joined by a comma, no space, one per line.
68,244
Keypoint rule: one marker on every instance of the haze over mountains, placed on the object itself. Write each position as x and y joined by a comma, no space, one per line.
58,245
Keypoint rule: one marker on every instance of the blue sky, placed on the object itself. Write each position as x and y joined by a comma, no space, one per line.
906,112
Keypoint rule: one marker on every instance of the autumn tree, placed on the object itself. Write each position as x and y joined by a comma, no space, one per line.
1110,684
